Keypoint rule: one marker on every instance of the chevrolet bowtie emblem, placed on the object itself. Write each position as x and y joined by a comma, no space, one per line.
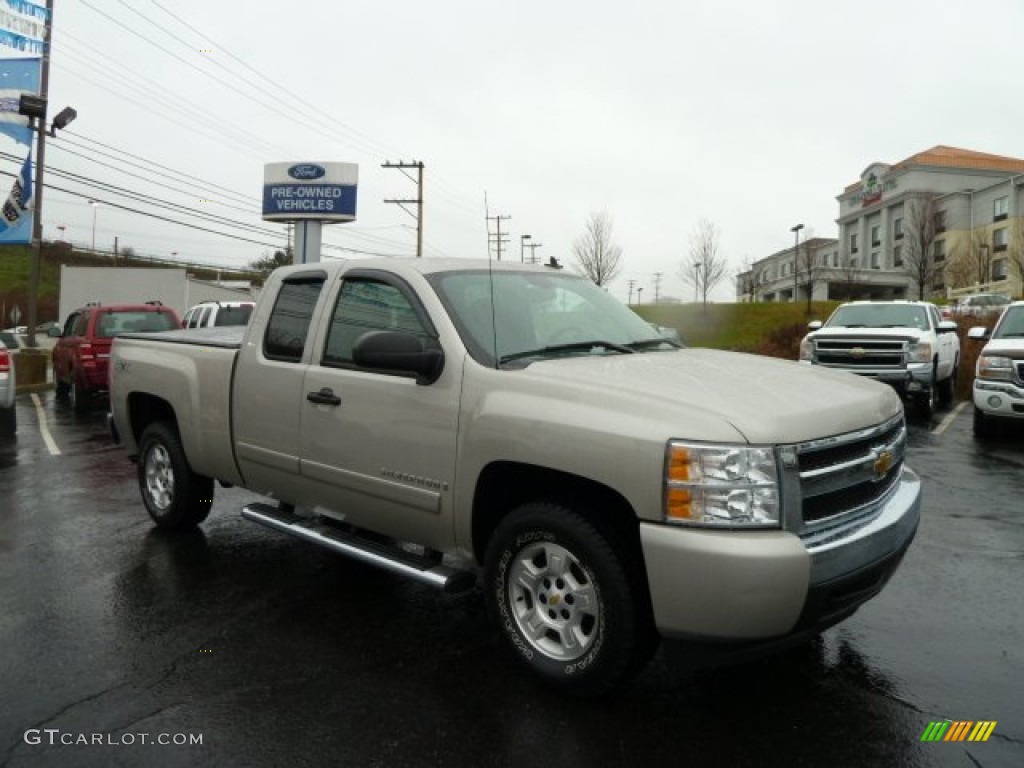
858,352
882,464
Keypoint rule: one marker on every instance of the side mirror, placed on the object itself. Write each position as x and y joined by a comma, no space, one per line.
978,332
947,326
814,325
54,332
398,352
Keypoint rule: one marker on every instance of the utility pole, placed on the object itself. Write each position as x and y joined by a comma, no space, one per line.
657,286
796,250
498,239
418,202
37,224
533,247
629,301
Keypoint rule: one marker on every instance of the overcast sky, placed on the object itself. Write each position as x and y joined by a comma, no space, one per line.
752,115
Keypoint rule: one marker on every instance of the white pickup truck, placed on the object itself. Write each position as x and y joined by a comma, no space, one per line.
906,344
464,422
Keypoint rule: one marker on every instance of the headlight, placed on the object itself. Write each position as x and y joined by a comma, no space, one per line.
994,367
721,485
806,347
919,352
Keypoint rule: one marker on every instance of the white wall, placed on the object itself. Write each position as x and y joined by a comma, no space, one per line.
126,285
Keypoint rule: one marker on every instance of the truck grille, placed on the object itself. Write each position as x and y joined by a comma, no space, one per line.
844,476
854,353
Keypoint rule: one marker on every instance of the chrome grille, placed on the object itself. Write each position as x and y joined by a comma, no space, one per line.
843,476
867,353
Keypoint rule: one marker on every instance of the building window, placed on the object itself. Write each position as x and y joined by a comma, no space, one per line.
897,229
897,256
999,239
940,222
1000,208
835,259
939,250
875,242
853,243
874,260
999,269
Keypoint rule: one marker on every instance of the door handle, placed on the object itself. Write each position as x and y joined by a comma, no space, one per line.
325,396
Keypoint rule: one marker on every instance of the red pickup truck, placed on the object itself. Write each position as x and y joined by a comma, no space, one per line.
83,346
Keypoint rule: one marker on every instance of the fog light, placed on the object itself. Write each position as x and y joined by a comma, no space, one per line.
995,401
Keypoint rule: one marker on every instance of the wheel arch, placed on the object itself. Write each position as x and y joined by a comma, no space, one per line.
504,485
145,409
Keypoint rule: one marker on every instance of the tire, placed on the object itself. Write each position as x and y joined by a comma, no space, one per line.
947,387
927,401
983,426
8,421
568,602
78,396
63,389
175,496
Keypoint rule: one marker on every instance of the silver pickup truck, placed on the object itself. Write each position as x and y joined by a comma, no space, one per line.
464,422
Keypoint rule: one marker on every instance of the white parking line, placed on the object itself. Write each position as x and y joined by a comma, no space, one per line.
51,444
950,418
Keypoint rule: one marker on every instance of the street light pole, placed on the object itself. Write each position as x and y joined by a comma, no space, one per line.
522,248
796,250
95,205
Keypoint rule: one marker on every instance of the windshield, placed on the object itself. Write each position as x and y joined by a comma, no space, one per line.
111,324
1011,324
879,316
540,314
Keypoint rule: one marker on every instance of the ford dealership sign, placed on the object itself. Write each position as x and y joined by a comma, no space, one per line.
310,191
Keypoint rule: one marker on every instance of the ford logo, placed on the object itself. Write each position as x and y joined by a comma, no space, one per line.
306,171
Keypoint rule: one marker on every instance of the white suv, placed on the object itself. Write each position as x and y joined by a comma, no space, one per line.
999,374
218,313
904,343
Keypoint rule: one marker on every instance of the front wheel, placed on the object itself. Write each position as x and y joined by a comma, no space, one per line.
983,426
947,387
566,600
175,496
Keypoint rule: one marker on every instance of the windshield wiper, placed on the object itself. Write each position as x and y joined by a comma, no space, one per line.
576,345
645,343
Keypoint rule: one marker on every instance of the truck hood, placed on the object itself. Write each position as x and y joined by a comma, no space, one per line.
766,400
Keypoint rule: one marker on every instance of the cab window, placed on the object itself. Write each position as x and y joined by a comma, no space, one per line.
369,305
290,318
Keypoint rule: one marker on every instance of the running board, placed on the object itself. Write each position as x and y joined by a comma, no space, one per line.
390,558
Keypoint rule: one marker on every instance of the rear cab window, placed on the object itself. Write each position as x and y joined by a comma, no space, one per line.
290,319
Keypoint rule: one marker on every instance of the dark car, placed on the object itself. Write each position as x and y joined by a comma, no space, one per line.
82,351
8,417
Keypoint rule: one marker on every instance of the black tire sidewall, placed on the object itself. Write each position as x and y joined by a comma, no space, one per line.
193,494
608,659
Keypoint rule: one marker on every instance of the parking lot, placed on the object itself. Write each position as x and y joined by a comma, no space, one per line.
236,645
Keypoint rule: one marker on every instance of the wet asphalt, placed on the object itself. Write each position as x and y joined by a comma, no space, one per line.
269,651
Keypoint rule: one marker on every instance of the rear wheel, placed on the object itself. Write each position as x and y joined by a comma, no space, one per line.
78,396
62,388
569,602
175,497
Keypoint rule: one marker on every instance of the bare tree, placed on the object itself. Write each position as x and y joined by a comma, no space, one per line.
847,274
596,255
811,271
1015,254
972,265
919,257
705,267
267,264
